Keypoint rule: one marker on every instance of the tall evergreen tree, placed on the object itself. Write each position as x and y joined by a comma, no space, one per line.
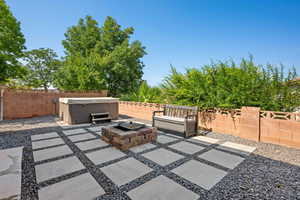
11,44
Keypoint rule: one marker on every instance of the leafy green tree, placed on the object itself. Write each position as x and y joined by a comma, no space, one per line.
11,44
231,85
41,66
101,58
145,93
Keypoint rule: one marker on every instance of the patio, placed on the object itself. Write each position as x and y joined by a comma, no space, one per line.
72,162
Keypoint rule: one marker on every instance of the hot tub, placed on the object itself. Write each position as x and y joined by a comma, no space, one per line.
78,110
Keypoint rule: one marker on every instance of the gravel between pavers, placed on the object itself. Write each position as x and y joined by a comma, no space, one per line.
271,172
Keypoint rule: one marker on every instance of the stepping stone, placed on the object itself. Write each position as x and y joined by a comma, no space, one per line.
47,143
162,188
67,126
187,147
80,187
10,173
44,136
224,159
104,155
203,140
86,136
162,156
237,148
57,168
143,147
74,131
46,154
125,171
96,129
165,139
200,174
91,144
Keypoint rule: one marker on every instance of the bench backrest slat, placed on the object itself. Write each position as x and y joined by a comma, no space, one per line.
180,111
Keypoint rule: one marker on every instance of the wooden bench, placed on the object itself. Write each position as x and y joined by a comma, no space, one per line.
181,119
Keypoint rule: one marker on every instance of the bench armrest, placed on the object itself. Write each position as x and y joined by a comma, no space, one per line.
190,116
157,111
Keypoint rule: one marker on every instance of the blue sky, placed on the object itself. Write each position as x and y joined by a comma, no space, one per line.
184,33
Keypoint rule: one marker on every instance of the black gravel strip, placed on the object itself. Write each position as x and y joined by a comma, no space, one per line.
53,159
61,178
29,189
48,147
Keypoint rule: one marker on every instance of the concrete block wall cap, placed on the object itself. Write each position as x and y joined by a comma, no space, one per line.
87,100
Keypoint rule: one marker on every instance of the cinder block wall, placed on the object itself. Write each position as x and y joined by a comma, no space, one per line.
30,103
251,123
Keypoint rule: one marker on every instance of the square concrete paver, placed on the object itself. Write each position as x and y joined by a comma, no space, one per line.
57,168
44,136
74,131
91,144
47,143
77,188
162,188
51,153
187,147
237,148
203,140
142,147
224,159
125,171
80,137
200,174
96,129
162,156
165,139
104,155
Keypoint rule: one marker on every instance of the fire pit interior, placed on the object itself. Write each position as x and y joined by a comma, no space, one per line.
129,126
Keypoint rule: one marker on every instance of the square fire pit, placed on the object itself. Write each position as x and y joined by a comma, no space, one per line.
128,134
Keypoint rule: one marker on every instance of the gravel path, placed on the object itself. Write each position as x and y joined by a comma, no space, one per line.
271,172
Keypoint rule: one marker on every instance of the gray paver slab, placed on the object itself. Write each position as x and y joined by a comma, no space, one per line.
51,153
96,128
162,156
91,144
47,143
165,139
125,171
162,188
104,155
74,131
203,140
225,159
199,173
142,147
44,136
237,148
57,168
80,137
80,187
187,147
10,172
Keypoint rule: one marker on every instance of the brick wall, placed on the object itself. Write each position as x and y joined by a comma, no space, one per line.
281,128
30,103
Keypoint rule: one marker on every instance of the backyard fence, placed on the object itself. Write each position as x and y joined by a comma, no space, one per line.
16,104
281,128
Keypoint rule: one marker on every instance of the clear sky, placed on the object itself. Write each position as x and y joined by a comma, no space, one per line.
184,33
